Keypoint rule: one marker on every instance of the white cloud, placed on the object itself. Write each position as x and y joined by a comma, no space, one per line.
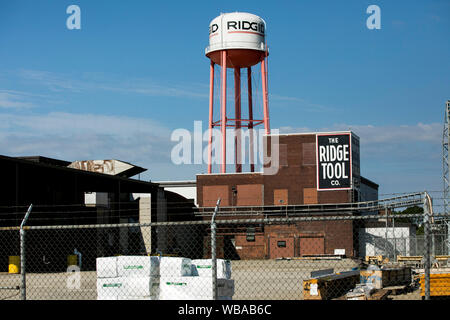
108,82
397,157
13,100
370,134
85,136
404,148
402,158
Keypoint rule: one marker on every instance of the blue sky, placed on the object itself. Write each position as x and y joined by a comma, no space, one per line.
136,71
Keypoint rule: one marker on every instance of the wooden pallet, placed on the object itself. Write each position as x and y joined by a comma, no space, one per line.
374,259
395,290
379,294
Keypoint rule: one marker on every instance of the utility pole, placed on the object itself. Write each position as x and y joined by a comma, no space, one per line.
445,171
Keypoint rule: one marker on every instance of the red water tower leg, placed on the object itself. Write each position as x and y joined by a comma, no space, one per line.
223,122
237,111
250,117
265,96
211,102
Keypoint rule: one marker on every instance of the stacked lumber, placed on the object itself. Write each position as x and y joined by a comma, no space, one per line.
439,284
374,259
330,286
377,294
387,276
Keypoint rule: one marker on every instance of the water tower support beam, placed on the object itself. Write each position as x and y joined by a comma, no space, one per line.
211,102
237,111
265,96
250,117
224,111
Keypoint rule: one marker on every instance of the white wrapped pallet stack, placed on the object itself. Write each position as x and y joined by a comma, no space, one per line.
138,266
194,288
128,288
107,267
203,268
128,278
109,288
175,267
140,288
164,278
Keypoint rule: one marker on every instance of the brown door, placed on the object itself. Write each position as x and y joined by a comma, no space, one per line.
312,245
280,197
249,195
212,193
281,247
309,195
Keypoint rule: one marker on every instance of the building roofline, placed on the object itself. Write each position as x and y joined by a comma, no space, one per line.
369,182
47,160
228,173
180,183
313,133
77,171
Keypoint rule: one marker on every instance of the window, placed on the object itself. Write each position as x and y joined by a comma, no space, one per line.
250,234
283,155
309,154
281,244
250,238
280,197
310,196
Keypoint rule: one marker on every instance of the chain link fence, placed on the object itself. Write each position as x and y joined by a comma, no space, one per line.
286,258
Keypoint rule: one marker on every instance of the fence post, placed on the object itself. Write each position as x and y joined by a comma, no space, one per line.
386,246
23,293
427,254
213,251
394,238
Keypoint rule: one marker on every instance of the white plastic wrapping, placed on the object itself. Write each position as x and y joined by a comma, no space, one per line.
203,268
145,266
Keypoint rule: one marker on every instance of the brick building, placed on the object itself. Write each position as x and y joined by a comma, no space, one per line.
314,169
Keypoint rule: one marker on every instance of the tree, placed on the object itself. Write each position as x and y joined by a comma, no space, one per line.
417,221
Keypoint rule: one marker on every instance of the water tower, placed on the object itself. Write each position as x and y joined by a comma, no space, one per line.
236,41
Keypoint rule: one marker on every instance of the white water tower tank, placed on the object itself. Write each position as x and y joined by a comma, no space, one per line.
241,34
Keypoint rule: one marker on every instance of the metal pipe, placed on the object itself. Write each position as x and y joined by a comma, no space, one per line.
386,234
265,96
250,117
237,111
427,247
393,238
78,253
266,219
23,293
213,252
211,105
224,111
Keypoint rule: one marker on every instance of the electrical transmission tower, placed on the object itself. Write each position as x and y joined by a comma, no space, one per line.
446,175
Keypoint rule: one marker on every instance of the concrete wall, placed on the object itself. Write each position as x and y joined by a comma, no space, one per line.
381,241
187,192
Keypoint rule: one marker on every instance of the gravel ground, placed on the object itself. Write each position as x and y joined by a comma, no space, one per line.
254,280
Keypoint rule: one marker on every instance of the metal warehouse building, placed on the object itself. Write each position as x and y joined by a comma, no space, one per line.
86,193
